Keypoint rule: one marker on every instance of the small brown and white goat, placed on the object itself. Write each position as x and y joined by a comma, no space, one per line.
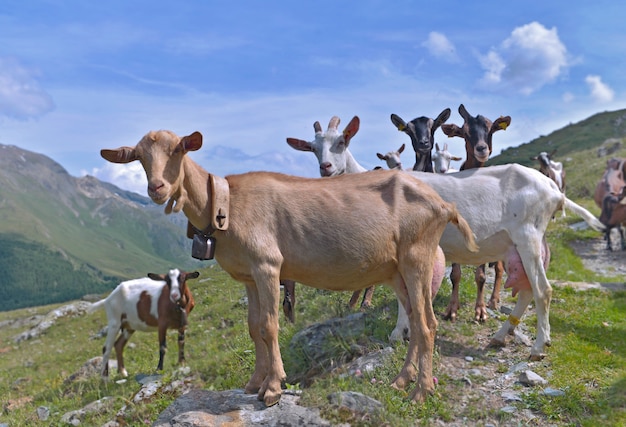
443,158
342,233
155,303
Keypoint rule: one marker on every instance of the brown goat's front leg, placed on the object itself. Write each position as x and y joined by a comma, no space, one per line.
261,364
480,310
181,345
494,301
162,346
453,305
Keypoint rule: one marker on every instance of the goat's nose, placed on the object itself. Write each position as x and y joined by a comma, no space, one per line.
325,167
155,186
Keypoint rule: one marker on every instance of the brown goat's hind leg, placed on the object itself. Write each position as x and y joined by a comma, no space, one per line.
367,298
120,343
354,299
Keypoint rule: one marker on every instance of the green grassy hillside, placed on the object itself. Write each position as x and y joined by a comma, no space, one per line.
77,235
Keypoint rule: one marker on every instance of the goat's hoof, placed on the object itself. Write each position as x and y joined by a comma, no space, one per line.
399,383
451,316
496,343
420,394
536,357
270,398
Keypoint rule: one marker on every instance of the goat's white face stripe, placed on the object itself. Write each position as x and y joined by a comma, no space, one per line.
174,276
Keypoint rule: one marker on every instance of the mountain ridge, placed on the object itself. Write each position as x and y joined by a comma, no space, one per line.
95,230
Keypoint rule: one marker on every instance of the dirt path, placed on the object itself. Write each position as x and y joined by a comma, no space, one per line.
485,379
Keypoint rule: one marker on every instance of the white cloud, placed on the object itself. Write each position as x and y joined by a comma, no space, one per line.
129,176
530,58
440,47
600,91
20,94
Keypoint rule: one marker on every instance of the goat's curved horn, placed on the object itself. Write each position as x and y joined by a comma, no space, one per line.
334,122
317,127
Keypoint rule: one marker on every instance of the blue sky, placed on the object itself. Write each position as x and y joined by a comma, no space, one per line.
79,76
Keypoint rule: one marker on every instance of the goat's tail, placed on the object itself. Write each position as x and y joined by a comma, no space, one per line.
460,223
95,306
584,214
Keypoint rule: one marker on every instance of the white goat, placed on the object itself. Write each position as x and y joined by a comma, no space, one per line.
155,303
442,159
392,158
331,148
342,233
508,208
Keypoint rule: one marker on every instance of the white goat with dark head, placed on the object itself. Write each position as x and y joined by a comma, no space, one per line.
342,233
508,208
422,133
551,169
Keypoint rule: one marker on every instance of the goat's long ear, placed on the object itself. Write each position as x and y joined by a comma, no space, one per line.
381,157
463,112
192,275
501,123
452,130
398,122
351,129
119,155
191,142
158,277
441,119
456,158
299,144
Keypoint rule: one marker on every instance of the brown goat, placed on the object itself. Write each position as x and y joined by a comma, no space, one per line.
609,197
341,233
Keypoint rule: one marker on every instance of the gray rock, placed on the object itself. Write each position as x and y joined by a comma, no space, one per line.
369,362
43,413
233,407
99,406
355,402
510,396
529,378
508,409
552,392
